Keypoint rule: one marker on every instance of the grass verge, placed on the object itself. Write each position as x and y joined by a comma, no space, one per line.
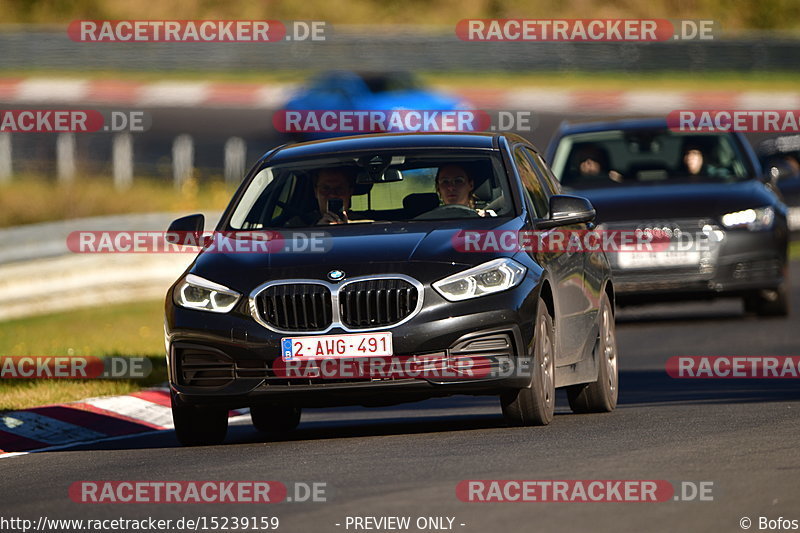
31,199
794,250
134,329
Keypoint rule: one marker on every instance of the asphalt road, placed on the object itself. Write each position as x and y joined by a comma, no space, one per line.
741,435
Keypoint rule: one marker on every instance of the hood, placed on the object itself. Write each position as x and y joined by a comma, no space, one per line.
357,249
695,200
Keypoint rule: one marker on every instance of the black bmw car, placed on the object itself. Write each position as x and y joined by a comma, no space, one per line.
705,193
385,306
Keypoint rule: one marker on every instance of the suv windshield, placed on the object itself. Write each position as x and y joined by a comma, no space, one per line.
375,187
643,157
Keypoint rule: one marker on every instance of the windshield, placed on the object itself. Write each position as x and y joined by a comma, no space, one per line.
645,157
380,187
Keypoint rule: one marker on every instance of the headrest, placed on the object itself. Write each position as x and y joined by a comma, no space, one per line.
484,191
421,202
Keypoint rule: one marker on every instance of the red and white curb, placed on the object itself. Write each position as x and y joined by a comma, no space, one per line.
93,420
51,91
31,91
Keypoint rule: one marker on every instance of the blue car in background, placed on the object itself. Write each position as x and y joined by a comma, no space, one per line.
385,91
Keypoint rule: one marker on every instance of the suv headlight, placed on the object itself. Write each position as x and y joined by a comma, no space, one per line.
753,219
495,276
195,292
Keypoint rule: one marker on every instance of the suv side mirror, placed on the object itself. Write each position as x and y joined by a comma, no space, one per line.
566,209
183,227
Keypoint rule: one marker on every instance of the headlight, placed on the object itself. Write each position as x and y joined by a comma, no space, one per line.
195,292
495,276
754,219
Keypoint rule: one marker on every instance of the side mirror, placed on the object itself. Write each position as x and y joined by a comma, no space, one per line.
186,230
778,170
566,210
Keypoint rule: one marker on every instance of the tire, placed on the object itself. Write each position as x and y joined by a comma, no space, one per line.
768,302
272,419
600,396
535,405
199,426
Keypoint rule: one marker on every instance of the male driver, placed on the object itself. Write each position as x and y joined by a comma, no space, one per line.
330,184
593,161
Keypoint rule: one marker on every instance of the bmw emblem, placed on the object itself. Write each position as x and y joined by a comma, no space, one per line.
336,275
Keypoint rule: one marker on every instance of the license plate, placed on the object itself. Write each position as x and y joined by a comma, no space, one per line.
794,218
327,346
667,258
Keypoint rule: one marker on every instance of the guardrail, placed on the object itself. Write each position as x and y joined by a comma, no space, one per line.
349,48
39,275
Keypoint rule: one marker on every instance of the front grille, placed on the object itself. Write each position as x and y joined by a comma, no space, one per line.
766,269
376,302
296,307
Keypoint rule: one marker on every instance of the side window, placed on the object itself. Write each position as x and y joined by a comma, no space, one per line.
286,192
546,175
531,182
267,207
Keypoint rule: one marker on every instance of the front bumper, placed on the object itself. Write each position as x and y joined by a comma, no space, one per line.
736,263
231,360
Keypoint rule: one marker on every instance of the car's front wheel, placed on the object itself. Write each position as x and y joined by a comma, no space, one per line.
535,405
275,419
601,395
199,425
768,302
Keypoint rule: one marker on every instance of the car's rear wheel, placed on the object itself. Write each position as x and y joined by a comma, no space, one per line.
601,395
275,419
199,425
535,405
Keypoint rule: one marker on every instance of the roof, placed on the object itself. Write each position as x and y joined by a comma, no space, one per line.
387,141
622,124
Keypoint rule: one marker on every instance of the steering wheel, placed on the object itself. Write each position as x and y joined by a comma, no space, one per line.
449,211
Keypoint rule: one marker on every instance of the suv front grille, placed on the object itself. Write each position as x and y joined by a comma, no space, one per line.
296,307
376,302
